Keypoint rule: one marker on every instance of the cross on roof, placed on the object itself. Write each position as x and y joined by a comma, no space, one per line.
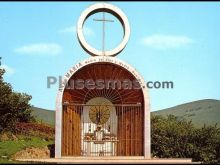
103,20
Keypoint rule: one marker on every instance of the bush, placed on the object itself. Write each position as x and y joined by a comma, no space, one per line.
14,107
177,138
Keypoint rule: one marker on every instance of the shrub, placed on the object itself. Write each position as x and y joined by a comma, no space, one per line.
14,107
177,138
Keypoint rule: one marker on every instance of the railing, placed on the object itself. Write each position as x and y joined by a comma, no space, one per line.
102,130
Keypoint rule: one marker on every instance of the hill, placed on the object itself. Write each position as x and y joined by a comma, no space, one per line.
43,115
200,112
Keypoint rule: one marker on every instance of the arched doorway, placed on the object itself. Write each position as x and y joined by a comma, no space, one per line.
124,123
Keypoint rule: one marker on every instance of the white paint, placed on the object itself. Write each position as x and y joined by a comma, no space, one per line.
103,7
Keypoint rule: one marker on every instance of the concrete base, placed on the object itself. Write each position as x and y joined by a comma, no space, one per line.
111,160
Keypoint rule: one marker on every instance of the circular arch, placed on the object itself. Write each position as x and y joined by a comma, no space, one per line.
103,7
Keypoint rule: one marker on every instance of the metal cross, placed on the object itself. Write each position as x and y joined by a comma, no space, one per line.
103,20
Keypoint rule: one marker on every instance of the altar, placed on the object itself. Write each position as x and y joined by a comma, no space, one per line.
98,148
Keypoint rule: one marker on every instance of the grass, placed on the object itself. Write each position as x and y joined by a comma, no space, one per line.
9,148
199,112
43,115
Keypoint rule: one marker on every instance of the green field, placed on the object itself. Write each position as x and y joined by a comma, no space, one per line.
43,115
199,112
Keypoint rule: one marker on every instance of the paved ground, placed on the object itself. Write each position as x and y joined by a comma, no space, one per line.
112,160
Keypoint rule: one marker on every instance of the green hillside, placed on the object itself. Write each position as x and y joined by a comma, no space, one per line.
200,112
43,115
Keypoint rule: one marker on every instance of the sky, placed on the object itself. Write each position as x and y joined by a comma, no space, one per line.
170,41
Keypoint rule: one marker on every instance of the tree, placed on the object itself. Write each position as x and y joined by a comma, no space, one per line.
174,137
14,107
